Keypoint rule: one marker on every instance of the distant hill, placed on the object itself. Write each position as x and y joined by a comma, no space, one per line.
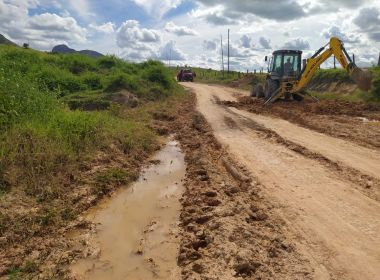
65,49
5,41
62,49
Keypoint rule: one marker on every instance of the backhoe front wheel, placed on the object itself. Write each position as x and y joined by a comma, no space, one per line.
270,87
297,97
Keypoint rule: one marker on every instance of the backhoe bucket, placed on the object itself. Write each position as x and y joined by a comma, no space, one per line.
362,78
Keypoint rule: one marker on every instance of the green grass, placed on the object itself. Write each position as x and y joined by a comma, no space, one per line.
57,118
340,75
40,136
356,96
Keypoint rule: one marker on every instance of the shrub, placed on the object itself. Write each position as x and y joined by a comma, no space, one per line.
121,81
77,63
92,81
107,62
159,75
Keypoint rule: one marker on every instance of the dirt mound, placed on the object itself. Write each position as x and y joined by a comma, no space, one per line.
124,97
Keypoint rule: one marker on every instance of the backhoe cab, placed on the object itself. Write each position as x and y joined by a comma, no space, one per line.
287,79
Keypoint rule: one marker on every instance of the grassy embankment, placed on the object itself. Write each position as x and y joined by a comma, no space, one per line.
340,76
44,146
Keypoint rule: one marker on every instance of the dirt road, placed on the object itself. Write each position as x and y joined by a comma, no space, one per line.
325,188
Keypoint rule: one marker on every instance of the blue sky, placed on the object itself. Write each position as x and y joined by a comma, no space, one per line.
188,31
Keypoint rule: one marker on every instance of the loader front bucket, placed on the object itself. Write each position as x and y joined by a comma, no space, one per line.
362,78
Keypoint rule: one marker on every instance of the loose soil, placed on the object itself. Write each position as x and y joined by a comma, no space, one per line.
310,181
353,121
229,230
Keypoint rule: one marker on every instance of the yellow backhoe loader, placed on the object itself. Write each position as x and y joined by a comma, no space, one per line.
286,78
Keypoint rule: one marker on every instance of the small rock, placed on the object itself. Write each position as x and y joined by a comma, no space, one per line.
203,219
198,268
246,268
369,184
210,193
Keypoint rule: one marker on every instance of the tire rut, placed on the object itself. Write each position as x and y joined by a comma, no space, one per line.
366,184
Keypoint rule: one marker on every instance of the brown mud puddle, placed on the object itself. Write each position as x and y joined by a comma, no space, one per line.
136,236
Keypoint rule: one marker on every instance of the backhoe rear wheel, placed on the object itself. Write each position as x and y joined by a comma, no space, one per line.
270,87
257,91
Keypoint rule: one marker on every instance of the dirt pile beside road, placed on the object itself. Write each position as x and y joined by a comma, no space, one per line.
228,229
355,121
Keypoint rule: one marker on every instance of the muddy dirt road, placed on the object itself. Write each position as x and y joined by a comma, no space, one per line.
325,188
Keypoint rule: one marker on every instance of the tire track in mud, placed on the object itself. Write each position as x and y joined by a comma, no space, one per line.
229,229
364,183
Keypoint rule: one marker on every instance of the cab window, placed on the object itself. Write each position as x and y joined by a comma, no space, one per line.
290,65
277,64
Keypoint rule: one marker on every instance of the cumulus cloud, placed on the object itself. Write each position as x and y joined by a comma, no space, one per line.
246,41
210,45
217,18
107,28
80,7
265,43
238,52
170,52
335,31
41,30
297,44
171,27
131,35
368,20
157,8
280,10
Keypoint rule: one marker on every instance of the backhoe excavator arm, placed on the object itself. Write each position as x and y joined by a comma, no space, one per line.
335,48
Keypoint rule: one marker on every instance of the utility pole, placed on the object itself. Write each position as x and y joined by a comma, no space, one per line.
169,53
228,69
221,47
353,58
334,62
378,62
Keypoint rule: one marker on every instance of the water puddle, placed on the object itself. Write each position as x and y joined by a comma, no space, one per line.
137,227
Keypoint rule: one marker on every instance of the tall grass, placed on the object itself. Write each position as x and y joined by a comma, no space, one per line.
340,75
40,137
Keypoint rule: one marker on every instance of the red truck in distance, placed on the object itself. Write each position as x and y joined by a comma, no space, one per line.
186,75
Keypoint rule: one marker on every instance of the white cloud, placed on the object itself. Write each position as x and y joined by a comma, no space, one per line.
170,52
42,30
81,7
158,8
368,20
265,43
171,27
210,45
131,35
107,28
246,41
137,43
297,44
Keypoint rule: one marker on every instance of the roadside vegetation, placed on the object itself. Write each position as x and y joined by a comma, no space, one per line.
58,113
325,77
